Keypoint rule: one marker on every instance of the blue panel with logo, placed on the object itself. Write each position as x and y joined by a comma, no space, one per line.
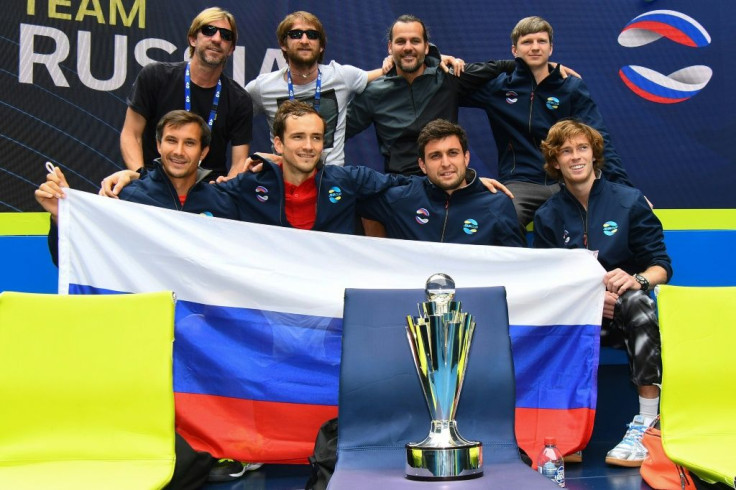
660,71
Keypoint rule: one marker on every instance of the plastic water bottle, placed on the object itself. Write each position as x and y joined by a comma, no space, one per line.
550,462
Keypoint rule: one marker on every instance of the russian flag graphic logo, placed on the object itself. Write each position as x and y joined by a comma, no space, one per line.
651,85
665,89
675,26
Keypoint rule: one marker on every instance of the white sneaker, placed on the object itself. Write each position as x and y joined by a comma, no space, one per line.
228,469
630,451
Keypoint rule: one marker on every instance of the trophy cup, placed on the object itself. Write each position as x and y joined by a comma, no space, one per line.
440,339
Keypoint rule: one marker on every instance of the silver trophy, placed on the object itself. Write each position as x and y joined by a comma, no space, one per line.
440,339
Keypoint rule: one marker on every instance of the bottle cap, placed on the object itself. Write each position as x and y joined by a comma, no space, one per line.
550,441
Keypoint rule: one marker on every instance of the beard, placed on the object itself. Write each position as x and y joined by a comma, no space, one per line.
412,68
209,58
300,62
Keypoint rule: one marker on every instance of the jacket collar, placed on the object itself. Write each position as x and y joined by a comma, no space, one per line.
523,71
471,181
159,173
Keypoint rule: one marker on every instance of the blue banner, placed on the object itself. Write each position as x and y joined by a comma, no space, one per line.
658,70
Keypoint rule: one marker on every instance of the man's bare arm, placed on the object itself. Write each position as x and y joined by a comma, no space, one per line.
237,160
131,139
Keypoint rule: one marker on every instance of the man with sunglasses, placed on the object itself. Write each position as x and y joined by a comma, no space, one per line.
199,86
328,87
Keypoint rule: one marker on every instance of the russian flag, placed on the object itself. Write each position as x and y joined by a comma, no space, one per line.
259,317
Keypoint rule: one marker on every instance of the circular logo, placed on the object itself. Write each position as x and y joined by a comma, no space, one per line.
511,97
470,226
651,85
553,103
610,228
422,216
261,193
335,194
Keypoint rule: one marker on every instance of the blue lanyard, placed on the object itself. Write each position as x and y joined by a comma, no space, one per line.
317,91
188,97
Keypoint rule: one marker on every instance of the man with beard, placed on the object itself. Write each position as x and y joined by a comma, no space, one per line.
450,204
198,86
328,87
412,94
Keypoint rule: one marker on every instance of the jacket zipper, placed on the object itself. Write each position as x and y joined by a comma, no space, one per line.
174,196
319,192
444,224
584,219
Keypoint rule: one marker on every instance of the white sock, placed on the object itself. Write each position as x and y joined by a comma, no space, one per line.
648,408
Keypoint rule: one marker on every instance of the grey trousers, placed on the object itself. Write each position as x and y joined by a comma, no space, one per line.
528,197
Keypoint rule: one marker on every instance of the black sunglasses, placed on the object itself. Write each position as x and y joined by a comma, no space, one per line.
298,33
209,31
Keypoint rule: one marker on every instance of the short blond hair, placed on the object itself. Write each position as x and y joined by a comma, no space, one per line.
208,16
531,25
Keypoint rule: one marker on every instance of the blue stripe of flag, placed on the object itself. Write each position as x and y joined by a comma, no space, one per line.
283,357
559,365
253,354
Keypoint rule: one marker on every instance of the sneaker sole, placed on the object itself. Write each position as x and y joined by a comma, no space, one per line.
624,462
573,458
234,476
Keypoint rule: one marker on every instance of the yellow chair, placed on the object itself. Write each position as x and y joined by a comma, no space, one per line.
698,404
86,391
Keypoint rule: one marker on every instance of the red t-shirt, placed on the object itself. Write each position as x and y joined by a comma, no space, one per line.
301,203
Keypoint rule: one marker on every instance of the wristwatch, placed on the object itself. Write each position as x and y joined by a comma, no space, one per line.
643,281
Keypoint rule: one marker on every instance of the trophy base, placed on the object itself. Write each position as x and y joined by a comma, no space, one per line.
444,464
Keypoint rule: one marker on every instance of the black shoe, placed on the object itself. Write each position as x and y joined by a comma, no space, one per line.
229,469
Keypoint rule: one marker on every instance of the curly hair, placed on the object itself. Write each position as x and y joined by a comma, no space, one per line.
559,134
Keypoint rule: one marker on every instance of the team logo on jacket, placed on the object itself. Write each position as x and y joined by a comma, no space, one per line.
261,193
422,216
470,226
610,228
511,97
552,103
335,194
653,86
565,236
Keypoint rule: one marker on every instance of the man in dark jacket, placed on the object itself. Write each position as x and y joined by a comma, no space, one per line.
415,92
297,192
449,204
522,105
616,221
176,182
